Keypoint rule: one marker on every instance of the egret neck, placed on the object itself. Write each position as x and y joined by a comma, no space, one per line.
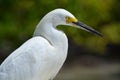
55,37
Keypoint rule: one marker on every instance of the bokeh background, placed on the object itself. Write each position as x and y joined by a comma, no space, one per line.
89,57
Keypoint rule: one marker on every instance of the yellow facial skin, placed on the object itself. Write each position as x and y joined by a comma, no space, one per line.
70,19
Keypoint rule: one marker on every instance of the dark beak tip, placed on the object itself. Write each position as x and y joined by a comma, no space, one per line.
97,33
101,35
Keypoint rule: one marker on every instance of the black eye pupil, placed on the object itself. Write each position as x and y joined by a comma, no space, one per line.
67,17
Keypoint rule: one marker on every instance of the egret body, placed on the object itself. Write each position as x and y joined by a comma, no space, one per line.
42,56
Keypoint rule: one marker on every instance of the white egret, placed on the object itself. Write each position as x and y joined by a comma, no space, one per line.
42,56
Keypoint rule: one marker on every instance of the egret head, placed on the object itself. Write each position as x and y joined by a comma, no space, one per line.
63,17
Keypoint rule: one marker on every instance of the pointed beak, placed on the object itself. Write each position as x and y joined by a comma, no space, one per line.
87,28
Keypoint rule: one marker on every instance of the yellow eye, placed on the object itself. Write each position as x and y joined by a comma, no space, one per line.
70,19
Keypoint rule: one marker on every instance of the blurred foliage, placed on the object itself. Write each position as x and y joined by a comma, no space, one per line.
18,19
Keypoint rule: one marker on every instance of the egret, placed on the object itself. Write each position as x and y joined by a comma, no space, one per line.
42,56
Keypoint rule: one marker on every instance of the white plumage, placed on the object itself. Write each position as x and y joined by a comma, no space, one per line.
42,56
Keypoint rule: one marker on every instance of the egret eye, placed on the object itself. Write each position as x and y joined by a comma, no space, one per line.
67,19
70,19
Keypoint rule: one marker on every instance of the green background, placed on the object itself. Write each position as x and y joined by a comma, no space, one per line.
18,19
